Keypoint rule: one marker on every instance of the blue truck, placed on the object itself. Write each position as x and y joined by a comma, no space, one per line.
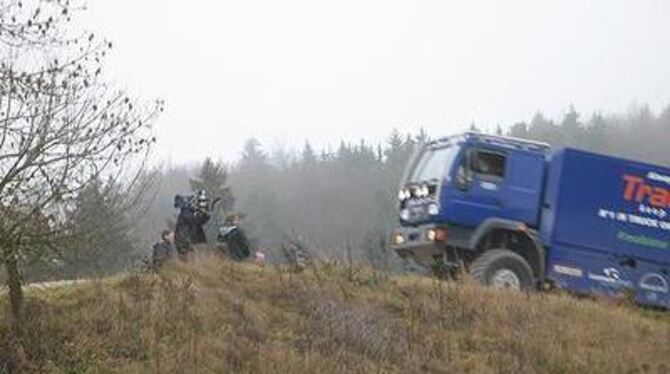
516,214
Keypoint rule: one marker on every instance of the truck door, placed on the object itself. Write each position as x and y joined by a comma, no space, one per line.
525,173
483,195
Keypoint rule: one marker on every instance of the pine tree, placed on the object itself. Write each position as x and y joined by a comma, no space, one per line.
572,129
596,134
213,179
281,158
518,130
252,154
308,156
102,243
257,195
544,129
422,137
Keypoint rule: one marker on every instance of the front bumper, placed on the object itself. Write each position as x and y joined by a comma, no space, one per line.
417,245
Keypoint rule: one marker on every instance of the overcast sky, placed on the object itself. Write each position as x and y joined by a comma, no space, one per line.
292,70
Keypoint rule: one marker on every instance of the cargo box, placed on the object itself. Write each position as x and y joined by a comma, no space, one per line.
606,222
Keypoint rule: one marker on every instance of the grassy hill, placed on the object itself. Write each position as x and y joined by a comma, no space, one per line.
215,316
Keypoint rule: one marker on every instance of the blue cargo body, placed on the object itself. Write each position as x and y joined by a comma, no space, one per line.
516,214
605,222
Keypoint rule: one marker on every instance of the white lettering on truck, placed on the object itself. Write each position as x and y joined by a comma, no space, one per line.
658,177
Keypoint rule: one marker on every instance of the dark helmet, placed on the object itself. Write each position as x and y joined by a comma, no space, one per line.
179,201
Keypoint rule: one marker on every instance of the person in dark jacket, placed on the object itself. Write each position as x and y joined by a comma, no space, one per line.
189,230
234,238
163,250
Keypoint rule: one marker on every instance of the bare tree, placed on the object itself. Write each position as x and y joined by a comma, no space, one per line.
61,127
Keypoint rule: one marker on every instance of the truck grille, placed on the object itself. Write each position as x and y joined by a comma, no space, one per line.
417,213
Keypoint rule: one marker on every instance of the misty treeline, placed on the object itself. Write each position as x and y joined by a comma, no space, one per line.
339,203
342,202
640,134
335,202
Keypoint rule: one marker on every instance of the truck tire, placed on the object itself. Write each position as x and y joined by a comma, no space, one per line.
501,268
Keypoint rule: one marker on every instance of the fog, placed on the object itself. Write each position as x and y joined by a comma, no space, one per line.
289,71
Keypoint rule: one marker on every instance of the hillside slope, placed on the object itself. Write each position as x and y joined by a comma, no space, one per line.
215,316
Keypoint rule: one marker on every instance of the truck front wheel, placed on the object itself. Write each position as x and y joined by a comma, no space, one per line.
501,268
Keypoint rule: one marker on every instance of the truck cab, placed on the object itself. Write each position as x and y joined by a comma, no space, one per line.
458,190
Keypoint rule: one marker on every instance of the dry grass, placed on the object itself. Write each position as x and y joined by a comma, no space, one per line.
213,316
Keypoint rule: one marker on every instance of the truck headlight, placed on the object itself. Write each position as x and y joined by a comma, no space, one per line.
422,191
437,235
398,238
433,209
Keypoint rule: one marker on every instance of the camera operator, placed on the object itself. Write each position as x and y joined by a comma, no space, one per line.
193,215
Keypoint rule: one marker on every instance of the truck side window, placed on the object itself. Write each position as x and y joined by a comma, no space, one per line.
489,165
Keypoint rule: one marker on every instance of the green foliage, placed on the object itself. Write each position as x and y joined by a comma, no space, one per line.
213,179
333,199
100,241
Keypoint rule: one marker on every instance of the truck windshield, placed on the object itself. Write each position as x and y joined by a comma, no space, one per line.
433,164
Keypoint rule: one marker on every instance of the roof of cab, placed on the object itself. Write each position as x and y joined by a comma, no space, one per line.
496,140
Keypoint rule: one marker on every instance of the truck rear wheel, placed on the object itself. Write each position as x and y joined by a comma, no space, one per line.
504,269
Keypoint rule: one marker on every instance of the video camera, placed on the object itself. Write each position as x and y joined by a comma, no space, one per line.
198,202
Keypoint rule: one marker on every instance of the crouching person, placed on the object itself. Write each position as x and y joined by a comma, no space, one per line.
234,238
163,251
